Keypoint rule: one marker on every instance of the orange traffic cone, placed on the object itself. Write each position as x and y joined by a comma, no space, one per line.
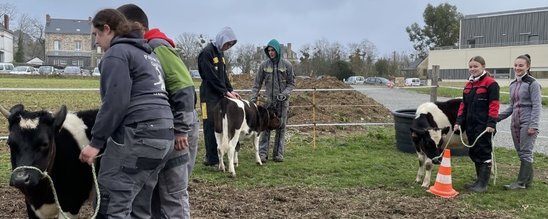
443,186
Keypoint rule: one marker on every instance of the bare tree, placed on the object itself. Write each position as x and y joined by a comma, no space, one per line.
189,46
8,9
246,58
361,55
31,31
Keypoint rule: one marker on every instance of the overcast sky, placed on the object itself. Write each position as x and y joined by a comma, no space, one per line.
296,21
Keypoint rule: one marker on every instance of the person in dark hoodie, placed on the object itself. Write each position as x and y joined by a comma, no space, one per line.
277,75
215,85
134,123
170,198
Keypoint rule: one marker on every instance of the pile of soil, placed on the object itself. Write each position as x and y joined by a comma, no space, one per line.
347,106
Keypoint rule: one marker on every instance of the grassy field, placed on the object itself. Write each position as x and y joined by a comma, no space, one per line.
363,159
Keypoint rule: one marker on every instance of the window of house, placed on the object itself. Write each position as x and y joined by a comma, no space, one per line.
56,45
63,62
78,45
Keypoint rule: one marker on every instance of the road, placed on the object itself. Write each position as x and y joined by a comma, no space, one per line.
400,98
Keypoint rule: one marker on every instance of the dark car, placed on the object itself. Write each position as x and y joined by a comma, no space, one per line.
377,81
47,70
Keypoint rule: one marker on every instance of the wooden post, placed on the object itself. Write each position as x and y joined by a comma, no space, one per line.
435,78
314,118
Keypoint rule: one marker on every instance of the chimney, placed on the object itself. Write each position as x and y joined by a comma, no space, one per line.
6,22
289,51
48,18
89,18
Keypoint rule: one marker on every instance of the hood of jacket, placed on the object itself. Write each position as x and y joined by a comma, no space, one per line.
224,36
134,38
276,46
157,34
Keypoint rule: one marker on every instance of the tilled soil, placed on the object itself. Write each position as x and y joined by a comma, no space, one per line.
222,201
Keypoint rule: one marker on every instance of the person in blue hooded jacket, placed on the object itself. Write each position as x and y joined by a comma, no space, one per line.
279,80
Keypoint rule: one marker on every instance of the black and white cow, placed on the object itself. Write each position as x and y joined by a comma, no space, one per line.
430,131
233,116
50,142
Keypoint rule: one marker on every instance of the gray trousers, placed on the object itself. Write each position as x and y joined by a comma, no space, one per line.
523,142
279,139
130,165
170,198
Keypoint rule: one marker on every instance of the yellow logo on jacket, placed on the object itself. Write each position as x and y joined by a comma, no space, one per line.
215,60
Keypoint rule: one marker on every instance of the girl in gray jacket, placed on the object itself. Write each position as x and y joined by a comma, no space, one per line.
525,107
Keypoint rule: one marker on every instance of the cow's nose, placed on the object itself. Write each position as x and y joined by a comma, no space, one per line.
20,179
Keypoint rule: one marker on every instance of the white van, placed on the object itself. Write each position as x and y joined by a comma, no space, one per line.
355,80
412,82
6,68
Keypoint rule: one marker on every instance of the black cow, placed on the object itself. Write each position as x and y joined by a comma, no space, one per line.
429,132
233,116
50,142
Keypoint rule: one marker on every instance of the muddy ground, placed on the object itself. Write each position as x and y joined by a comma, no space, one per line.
220,201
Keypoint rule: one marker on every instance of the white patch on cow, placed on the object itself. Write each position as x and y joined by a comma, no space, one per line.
46,211
439,117
29,123
77,128
435,135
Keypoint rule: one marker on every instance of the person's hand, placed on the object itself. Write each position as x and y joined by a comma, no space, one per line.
88,154
281,97
236,95
490,129
181,142
230,95
532,131
456,127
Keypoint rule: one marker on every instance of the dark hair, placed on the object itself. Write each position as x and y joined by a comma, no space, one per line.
134,13
115,20
527,59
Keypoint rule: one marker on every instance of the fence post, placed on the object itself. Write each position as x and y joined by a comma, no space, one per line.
314,117
435,78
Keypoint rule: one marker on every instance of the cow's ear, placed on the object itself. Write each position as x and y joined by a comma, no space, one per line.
59,117
445,130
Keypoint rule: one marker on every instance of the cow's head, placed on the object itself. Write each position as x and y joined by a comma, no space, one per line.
269,118
429,140
31,142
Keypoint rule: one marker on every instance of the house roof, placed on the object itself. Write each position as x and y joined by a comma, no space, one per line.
68,26
500,13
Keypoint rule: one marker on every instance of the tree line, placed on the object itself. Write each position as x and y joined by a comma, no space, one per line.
321,57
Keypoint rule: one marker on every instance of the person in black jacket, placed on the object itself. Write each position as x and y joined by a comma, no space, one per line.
478,113
215,85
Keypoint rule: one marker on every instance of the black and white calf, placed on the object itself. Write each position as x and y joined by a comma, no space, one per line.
50,142
430,131
233,116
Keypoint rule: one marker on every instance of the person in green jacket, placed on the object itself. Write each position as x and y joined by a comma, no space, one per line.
170,198
277,75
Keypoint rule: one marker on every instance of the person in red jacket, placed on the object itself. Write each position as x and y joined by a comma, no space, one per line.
477,113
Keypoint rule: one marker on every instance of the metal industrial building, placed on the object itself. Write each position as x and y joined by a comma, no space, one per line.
499,37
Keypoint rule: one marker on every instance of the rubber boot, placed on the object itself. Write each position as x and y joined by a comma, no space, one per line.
525,177
483,178
472,184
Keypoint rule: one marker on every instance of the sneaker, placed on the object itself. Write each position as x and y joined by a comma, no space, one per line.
263,159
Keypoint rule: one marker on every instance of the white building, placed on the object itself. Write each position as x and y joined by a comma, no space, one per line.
6,41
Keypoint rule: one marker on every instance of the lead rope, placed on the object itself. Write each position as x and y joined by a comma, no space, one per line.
46,175
495,172
469,146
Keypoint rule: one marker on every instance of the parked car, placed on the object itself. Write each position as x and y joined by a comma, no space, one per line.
47,70
24,70
96,72
6,68
72,70
355,80
377,81
412,82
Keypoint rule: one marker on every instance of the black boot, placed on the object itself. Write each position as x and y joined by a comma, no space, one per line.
475,182
525,177
483,178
